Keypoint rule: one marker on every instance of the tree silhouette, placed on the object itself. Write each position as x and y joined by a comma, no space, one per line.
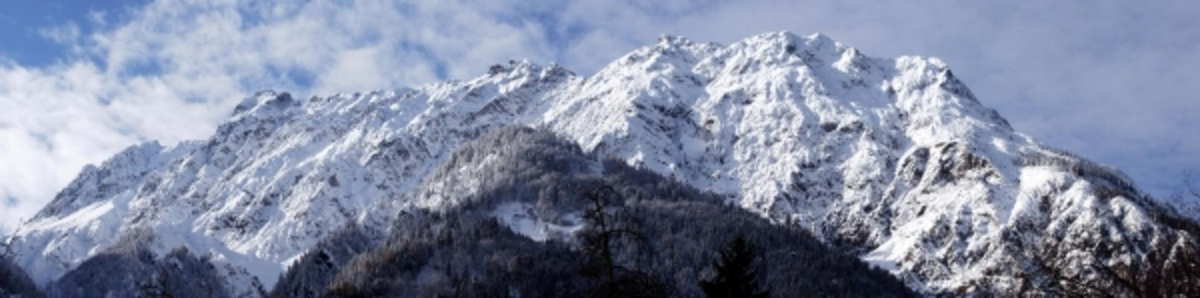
616,280
734,277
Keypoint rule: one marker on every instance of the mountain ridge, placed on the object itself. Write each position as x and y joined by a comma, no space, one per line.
894,160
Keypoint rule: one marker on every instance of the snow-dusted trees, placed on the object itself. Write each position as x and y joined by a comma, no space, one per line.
309,275
130,269
463,254
656,237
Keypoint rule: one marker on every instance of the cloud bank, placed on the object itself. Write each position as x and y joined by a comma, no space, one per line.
1110,81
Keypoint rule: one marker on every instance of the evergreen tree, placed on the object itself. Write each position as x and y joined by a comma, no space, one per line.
734,277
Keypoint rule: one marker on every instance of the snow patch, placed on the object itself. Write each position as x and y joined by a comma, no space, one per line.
520,218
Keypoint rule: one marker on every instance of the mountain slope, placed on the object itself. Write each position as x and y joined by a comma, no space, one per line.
14,282
525,231
129,269
891,159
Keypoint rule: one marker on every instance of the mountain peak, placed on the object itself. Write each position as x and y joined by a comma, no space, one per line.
266,101
672,41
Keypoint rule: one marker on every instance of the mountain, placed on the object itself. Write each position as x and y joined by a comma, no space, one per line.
14,282
526,230
891,160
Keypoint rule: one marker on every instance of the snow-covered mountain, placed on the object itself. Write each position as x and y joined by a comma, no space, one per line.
894,160
534,196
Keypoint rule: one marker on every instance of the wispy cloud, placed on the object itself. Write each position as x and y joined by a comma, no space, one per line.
1111,81
66,33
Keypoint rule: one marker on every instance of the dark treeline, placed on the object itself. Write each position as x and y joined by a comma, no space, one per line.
309,276
126,269
130,269
735,276
663,238
14,282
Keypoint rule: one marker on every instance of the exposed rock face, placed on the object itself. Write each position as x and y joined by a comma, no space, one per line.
892,159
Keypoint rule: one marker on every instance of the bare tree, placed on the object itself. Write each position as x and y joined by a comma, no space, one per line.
617,280
1189,187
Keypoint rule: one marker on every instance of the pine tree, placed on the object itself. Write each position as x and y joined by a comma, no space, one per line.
734,277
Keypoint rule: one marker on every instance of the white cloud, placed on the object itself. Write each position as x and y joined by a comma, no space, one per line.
49,121
1111,81
63,34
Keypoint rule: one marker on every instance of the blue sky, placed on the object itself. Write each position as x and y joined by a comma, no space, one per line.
1113,81
24,26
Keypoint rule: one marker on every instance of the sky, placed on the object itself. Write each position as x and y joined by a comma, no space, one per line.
1113,81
